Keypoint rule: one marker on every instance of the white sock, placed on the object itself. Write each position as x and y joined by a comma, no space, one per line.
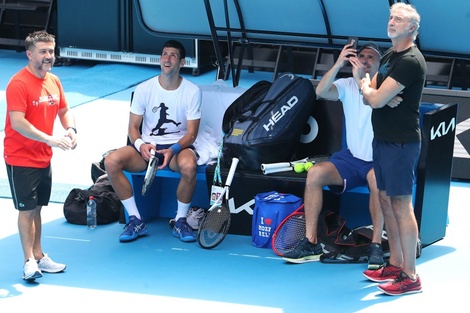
182,210
131,207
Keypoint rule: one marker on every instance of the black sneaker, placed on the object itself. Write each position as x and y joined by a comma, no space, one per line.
304,252
376,256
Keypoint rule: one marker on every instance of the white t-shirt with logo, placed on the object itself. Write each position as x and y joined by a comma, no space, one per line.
166,112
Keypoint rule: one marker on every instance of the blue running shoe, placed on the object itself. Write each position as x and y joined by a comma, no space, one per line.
133,229
183,231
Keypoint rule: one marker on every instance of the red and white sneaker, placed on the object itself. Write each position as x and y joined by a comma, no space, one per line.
402,285
384,274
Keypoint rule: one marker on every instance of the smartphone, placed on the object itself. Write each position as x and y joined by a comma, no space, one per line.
353,41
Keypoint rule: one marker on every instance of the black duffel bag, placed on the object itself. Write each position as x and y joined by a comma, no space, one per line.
108,205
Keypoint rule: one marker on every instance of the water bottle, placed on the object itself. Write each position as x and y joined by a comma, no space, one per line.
91,213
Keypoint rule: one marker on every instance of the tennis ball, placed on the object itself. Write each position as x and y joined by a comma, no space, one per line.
299,168
308,165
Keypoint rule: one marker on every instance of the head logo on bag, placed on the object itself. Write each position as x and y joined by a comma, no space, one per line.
278,115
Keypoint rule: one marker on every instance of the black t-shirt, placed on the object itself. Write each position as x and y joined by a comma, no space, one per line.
401,124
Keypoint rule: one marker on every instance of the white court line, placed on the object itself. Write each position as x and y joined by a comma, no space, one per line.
256,256
180,249
65,238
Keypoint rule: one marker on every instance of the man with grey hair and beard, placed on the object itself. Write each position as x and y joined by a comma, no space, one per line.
396,146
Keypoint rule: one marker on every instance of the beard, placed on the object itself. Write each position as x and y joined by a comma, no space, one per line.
392,35
399,33
45,65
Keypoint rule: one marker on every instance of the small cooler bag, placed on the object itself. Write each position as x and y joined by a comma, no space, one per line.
271,208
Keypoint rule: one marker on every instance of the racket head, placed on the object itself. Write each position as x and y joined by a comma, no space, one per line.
289,233
214,226
150,174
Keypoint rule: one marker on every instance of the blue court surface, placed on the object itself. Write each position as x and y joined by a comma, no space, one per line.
159,273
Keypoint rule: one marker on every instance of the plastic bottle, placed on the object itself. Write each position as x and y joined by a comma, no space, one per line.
91,213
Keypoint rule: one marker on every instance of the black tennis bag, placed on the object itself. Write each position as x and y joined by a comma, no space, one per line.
343,245
265,123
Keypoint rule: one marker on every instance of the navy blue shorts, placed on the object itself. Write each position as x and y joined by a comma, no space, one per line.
395,166
353,171
162,147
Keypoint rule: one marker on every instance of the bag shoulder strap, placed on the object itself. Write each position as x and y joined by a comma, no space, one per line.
244,103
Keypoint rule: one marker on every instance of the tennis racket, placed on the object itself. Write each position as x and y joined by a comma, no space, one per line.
216,222
151,171
290,232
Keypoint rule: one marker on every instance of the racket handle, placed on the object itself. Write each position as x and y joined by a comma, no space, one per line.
272,166
277,170
152,152
231,172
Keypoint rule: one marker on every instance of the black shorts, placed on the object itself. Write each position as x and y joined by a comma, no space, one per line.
29,186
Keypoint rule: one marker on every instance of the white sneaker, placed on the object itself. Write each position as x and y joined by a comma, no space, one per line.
47,265
194,217
31,270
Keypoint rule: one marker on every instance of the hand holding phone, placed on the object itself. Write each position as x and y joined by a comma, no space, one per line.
353,42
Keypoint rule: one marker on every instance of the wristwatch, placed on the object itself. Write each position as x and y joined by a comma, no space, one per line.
74,129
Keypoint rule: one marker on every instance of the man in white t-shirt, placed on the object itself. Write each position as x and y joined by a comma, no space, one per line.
351,166
164,117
